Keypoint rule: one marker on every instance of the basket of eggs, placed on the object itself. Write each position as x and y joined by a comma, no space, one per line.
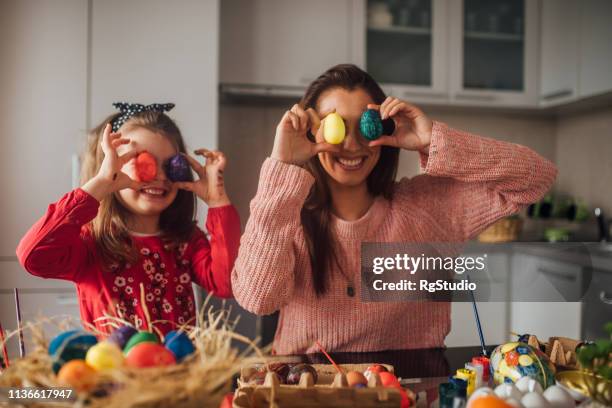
188,367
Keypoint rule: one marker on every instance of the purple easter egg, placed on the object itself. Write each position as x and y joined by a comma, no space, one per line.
122,335
177,168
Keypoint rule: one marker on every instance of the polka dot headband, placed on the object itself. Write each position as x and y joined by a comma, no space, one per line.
130,109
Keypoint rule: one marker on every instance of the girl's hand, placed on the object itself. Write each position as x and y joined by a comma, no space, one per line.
110,178
210,186
412,126
291,145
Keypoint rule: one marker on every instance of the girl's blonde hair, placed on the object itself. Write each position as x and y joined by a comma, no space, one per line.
109,228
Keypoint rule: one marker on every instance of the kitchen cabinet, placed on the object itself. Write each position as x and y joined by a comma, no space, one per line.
558,284
559,37
406,47
595,50
493,52
494,316
288,43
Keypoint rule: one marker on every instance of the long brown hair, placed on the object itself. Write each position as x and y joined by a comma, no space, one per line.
109,228
315,215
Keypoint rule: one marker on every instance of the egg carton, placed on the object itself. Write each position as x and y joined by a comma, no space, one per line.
331,390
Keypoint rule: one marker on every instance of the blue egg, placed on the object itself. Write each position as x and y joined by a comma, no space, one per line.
179,344
370,124
122,335
70,345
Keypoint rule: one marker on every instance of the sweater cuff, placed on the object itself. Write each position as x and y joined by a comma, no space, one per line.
225,212
429,161
83,207
282,180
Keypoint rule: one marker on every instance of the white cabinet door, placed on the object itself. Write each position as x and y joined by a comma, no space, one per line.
596,47
559,51
493,50
37,306
494,316
43,103
536,277
288,42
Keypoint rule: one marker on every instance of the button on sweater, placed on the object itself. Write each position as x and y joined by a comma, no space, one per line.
468,182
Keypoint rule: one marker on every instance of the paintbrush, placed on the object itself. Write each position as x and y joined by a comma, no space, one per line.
477,318
19,324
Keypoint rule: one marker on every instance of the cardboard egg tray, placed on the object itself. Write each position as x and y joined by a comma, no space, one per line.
331,390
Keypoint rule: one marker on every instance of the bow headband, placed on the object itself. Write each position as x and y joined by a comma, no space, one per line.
130,109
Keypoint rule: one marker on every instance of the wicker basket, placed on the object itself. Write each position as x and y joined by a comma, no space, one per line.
504,230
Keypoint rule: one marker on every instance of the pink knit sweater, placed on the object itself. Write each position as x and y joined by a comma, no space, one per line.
468,182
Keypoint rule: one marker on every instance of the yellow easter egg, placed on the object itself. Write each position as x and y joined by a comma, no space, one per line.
333,128
508,347
104,356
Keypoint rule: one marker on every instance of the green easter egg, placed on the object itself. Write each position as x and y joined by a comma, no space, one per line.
370,124
140,337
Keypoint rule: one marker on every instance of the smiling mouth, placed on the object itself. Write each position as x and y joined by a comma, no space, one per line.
153,192
351,164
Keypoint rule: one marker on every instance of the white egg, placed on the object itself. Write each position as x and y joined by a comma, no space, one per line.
558,397
506,390
514,403
528,384
535,400
480,392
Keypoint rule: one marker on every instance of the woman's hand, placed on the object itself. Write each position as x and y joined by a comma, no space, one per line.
291,145
412,126
110,178
210,186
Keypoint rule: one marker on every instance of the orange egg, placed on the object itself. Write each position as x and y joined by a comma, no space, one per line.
388,380
355,377
78,375
488,401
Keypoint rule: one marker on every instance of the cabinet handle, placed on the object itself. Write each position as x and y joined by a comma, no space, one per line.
557,94
483,98
603,296
557,275
436,95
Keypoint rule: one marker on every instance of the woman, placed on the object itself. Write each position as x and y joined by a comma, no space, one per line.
317,202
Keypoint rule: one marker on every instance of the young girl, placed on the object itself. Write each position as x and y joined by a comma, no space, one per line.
116,234
316,203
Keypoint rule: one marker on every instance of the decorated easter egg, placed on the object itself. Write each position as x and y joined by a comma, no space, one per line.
333,129
146,167
177,168
122,335
149,354
140,337
70,345
179,344
354,378
77,374
388,380
105,356
296,371
370,124
512,361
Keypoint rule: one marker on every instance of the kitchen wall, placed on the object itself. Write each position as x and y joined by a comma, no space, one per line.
583,154
246,134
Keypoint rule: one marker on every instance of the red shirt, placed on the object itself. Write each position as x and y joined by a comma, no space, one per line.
60,246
